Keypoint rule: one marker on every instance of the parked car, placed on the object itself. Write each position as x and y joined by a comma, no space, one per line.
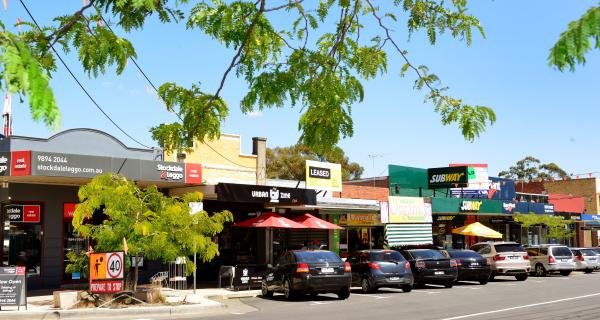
308,272
551,258
373,269
586,259
430,266
505,259
471,266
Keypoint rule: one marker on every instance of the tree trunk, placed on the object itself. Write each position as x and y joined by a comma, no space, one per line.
135,277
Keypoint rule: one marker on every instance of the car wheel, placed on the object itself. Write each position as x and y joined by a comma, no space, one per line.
449,284
344,294
366,286
491,278
521,277
540,271
588,271
264,288
419,285
407,288
287,290
483,282
565,273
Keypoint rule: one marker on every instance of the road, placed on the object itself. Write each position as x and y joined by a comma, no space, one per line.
553,297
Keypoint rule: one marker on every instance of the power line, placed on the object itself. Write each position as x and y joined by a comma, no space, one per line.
80,85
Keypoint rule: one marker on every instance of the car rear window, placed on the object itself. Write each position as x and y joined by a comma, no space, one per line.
386,256
588,252
427,254
317,256
463,254
561,251
509,247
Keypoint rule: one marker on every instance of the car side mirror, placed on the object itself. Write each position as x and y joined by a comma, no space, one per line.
270,266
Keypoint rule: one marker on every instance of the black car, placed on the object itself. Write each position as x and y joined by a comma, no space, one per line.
308,272
373,269
471,266
431,266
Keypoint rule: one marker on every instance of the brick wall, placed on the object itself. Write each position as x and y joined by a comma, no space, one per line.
586,188
378,182
362,192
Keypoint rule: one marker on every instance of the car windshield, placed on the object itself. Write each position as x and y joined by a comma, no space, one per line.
317,256
427,254
588,252
509,247
561,251
386,256
463,254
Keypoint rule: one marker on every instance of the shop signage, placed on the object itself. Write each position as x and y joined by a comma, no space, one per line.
590,217
478,185
408,210
106,272
4,163
548,208
470,206
22,213
509,207
193,173
447,177
69,210
323,175
247,276
13,286
360,219
445,218
265,194
68,165
20,163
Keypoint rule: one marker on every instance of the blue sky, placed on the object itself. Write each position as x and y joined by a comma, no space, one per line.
541,112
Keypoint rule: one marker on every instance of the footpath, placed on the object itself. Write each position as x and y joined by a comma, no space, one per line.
179,303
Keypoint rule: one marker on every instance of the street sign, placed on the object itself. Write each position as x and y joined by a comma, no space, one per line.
13,286
106,272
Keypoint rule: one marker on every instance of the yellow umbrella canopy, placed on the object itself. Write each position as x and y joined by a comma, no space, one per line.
478,230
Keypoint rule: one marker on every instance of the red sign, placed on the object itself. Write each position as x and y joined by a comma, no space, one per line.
106,286
193,173
20,163
31,213
69,210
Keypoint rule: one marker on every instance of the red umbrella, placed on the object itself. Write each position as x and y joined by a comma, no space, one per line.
270,220
312,222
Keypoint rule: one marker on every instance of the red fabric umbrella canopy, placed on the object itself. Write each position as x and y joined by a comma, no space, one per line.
312,222
270,220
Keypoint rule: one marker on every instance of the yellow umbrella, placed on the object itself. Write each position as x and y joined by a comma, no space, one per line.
478,230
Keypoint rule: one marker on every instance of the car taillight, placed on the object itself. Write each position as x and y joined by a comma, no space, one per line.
526,257
374,266
551,259
499,258
407,265
454,263
347,267
303,268
580,258
420,264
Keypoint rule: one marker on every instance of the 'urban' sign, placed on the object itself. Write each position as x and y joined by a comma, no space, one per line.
264,194
447,177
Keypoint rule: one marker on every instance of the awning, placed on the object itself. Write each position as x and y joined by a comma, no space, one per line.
408,234
270,220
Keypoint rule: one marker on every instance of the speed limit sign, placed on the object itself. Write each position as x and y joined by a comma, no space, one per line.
114,265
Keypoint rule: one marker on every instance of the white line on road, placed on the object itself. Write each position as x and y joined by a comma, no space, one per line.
428,292
522,307
370,296
319,303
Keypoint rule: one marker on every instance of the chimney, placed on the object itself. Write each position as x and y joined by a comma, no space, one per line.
259,148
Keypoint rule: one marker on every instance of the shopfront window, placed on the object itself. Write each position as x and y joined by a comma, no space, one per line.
72,241
22,238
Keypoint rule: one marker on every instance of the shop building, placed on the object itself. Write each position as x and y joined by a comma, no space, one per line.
40,181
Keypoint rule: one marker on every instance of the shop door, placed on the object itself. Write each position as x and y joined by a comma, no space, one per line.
73,243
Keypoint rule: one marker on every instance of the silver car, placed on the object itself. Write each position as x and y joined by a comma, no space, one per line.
505,258
586,259
548,258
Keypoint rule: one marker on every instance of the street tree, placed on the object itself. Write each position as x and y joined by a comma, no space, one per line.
289,162
558,227
581,36
155,226
316,59
530,168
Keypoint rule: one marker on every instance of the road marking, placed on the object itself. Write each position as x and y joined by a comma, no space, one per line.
507,284
538,281
428,292
370,296
238,313
319,303
522,307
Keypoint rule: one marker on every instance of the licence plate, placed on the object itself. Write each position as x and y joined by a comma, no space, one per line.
475,264
438,272
326,270
394,278
513,257
564,260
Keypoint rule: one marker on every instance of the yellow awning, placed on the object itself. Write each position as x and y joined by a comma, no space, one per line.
477,230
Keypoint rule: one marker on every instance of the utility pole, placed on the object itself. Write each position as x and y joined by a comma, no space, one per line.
373,157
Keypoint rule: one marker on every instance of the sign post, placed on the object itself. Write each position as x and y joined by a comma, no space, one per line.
13,287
